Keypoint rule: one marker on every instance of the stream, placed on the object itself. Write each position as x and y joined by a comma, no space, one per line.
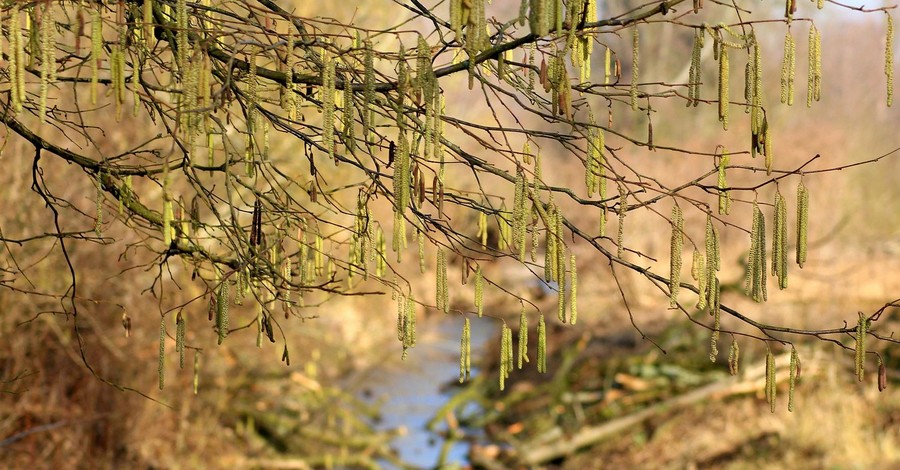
411,394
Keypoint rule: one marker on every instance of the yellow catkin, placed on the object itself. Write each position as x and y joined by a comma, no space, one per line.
788,70
465,351
196,372
147,21
779,242
861,329
756,264
713,264
161,367
607,64
771,385
96,51
479,291
482,228
48,57
675,246
222,299
409,333
180,330
519,214
734,357
539,17
542,346
573,290
698,272
695,70
814,77
714,339
623,210
723,85
523,338
802,222
504,365
635,40
722,183
443,297
889,59
368,89
792,380
328,98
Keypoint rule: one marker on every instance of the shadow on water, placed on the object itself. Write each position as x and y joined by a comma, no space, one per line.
411,393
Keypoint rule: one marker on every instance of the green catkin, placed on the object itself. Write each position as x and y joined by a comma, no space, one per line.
573,290
409,331
713,264
723,84
698,272
724,194
368,89
161,367
48,58
96,51
734,357
328,105
695,70
16,59
635,39
181,34
420,238
607,65
542,346
814,75
714,339
465,351
676,245
788,69
779,242
482,228
196,372
539,17
756,111
771,386
504,372
756,266
523,338
795,364
180,330
479,291
443,298
222,299
889,59
861,328
623,210
519,215
802,222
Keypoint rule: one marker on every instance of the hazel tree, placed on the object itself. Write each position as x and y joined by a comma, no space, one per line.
288,158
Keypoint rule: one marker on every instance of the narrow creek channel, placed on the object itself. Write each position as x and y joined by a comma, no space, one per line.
412,393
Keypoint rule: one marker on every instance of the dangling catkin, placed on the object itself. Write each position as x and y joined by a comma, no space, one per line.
724,194
328,97
795,365
519,215
161,368
523,338
623,210
714,340
802,222
814,74
676,245
479,291
788,69
771,385
756,264
635,38
861,328
48,57
573,290
779,242
542,345
695,70
196,370
734,356
96,50
180,330
698,272
222,310
723,84
504,351
465,351
442,300
889,59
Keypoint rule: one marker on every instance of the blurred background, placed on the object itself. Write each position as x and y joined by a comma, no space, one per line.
611,398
